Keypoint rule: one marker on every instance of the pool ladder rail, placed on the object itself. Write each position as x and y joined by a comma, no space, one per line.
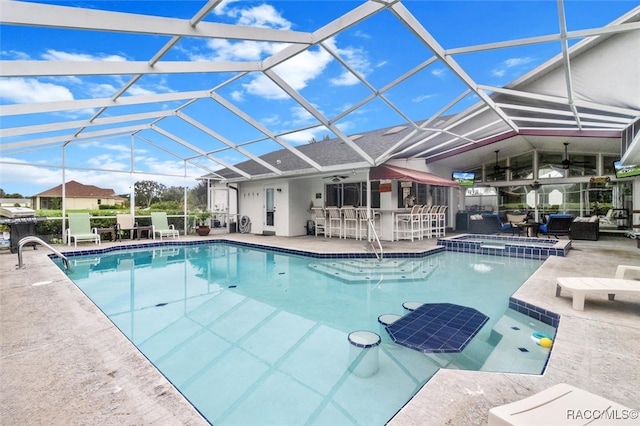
32,239
375,238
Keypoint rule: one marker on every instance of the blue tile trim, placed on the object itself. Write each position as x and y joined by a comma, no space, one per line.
518,247
533,311
95,251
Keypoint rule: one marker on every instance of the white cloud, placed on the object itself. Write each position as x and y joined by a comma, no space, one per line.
101,90
271,120
263,15
15,176
422,98
226,50
107,162
137,90
56,55
237,95
300,116
515,62
361,34
357,60
345,79
304,136
439,72
262,86
501,70
29,179
29,90
305,66
15,55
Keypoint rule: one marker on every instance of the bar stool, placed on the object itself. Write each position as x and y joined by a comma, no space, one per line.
363,226
426,221
441,221
408,224
349,221
334,218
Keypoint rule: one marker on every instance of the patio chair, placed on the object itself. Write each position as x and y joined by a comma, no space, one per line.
581,286
80,229
161,227
557,224
320,218
125,222
608,220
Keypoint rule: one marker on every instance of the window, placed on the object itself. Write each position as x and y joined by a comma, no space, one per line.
521,167
51,203
607,165
582,165
550,165
424,194
352,194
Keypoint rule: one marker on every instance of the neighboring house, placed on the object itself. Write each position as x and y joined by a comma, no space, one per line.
15,202
78,197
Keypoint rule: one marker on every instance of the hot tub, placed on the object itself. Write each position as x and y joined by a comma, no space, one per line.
501,245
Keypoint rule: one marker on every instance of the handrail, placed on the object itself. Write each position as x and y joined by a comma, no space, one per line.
32,239
375,234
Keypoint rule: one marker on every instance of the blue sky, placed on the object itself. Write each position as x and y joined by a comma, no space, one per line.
378,48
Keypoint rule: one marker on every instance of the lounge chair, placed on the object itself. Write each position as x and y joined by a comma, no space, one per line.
557,224
581,286
161,227
125,222
561,404
80,229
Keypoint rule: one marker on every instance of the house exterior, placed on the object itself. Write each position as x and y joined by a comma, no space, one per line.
530,172
77,197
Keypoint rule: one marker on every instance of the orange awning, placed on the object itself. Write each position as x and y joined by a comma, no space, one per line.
390,172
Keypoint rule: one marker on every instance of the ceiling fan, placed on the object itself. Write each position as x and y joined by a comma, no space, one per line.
497,169
336,178
566,163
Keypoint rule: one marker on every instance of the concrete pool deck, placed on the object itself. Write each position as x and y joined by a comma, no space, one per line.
63,362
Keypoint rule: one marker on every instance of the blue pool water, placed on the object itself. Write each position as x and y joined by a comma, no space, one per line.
254,337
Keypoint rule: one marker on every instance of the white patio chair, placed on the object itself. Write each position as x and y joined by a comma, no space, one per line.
320,219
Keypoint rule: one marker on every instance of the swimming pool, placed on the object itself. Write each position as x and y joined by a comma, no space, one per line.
252,336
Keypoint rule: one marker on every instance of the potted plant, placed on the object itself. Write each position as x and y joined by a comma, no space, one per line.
203,228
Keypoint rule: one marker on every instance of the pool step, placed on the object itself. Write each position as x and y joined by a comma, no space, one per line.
365,271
